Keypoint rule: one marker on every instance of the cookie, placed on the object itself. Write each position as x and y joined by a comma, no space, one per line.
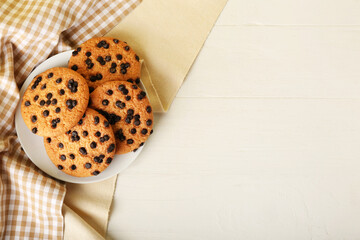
128,111
54,101
104,59
85,150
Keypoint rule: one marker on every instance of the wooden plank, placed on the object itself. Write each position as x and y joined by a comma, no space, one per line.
233,168
292,62
282,12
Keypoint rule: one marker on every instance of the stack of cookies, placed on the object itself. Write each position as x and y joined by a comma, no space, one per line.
92,110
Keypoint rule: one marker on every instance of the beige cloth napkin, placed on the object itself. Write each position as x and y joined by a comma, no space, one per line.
168,35
30,200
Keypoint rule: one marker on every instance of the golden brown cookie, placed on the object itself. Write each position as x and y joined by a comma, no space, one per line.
128,110
54,101
104,59
85,150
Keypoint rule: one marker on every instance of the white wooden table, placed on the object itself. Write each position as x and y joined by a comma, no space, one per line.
263,139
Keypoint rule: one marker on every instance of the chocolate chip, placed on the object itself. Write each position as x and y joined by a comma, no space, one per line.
74,67
88,61
43,86
68,132
106,124
74,136
105,102
93,145
106,137
50,75
59,80
125,91
135,150
84,115
39,79
108,58
48,102
90,66
85,133
149,122
127,98
98,134
141,144
133,131
127,48
54,101
137,116
106,46
42,103
151,131
69,103
148,109
48,140
127,65
100,59
137,81
134,86
130,80
119,57
53,124
144,131
111,148
34,130
46,113
97,159
57,120
91,89
73,167
93,78
74,53
96,120
129,141
72,85
62,92
95,173
49,95
137,122
83,151
60,145
120,104
80,122
63,157
109,160
72,156
88,54
57,110
27,103
121,87
102,139
60,167
36,98
119,135
101,43
116,40
128,119
141,95
109,92
113,65
87,165
78,49
137,58
33,118
130,112
123,71
112,70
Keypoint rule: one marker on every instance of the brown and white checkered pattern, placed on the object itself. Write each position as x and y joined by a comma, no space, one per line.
31,31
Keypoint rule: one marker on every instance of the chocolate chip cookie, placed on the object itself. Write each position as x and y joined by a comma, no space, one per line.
128,111
54,101
85,150
104,59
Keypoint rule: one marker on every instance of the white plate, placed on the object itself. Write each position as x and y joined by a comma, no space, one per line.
33,144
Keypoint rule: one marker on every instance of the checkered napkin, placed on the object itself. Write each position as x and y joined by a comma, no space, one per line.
30,31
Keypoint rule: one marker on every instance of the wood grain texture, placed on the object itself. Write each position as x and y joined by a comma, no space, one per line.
262,141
